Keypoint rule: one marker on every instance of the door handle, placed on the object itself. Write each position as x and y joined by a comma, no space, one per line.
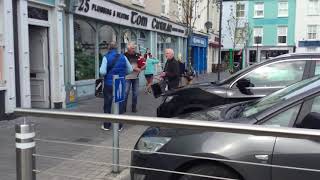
33,75
262,157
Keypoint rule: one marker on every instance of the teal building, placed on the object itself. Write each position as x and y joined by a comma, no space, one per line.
273,28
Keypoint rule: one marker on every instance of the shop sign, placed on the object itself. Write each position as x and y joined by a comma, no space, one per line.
107,11
198,41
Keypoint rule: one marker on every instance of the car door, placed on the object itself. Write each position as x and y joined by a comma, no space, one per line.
267,79
300,153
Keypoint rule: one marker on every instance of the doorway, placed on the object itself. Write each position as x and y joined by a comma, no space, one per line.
39,67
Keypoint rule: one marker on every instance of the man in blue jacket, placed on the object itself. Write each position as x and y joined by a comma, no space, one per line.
113,63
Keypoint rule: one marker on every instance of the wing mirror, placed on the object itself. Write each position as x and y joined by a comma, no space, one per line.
243,84
311,121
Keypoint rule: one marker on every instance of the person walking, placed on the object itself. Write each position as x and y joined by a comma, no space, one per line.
149,71
112,64
132,79
171,70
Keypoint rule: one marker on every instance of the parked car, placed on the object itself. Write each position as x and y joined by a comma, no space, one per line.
254,82
297,106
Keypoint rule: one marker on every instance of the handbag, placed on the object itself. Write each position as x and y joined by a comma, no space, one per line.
159,88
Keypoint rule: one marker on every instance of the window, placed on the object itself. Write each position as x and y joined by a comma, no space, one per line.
314,7
284,118
277,75
1,64
84,50
312,32
283,8
282,35
37,13
240,35
316,105
165,7
240,10
258,34
138,2
317,72
259,10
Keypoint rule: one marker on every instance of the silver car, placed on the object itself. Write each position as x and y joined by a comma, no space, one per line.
295,106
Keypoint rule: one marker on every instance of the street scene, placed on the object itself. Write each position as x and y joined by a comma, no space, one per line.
159,89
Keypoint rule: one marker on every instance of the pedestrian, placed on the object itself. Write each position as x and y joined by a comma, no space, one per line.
182,70
113,63
171,70
150,70
132,79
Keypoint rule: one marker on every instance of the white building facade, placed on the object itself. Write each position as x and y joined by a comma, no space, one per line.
234,19
308,26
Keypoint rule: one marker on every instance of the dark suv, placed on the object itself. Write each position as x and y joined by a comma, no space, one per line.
254,82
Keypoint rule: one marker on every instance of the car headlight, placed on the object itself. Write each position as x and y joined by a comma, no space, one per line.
149,145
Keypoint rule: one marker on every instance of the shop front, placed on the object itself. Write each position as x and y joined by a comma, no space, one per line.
199,46
263,53
98,22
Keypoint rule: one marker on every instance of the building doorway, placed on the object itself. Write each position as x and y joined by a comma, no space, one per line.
39,67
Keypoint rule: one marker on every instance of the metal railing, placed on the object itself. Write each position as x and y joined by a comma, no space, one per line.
25,137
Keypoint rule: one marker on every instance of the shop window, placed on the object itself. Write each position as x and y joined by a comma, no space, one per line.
127,36
106,35
84,48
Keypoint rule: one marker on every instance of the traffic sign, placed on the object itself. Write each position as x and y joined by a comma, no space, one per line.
120,89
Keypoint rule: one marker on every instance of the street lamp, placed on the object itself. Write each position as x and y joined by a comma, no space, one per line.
220,39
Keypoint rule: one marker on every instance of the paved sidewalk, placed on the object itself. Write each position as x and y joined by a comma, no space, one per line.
78,132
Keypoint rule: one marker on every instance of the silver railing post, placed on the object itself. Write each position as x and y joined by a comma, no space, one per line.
115,110
25,148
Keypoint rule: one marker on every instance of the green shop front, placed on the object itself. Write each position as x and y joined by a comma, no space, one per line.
97,22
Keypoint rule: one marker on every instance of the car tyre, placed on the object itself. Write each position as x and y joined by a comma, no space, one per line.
210,170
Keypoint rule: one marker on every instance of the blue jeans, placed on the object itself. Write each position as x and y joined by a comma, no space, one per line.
107,92
134,84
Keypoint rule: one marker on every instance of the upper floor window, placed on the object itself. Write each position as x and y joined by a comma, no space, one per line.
138,2
283,8
240,11
165,7
312,32
282,34
313,7
258,35
259,10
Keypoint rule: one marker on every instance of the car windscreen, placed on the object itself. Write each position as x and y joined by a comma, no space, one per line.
280,96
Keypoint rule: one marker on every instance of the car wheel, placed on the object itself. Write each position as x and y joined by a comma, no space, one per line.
210,170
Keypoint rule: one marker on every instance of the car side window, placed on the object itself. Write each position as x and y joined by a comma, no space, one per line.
316,105
317,71
277,74
284,118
